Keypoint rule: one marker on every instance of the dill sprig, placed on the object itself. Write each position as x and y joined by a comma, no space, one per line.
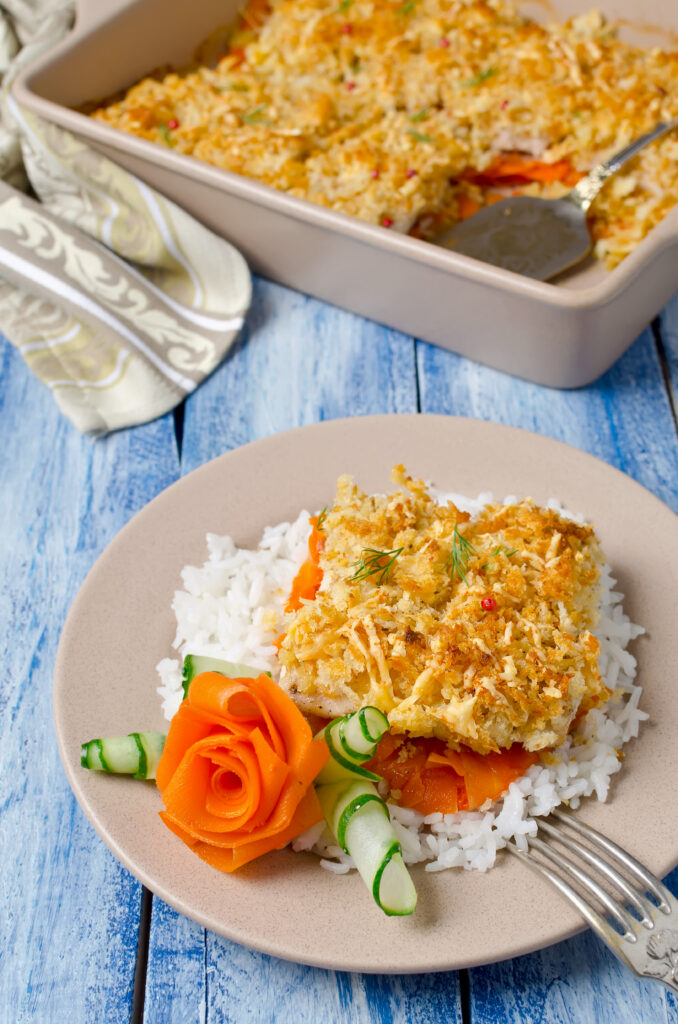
320,525
497,551
478,79
421,116
420,136
462,550
407,7
344,6
255,116
371,562
164,133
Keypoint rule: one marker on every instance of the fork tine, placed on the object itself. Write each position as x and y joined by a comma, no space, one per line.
622,917
651,882
595,920
643,906
650,951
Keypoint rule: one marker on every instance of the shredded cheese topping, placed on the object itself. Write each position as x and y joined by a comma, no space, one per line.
486,649
413,114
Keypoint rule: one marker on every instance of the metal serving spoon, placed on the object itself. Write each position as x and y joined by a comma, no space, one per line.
540,237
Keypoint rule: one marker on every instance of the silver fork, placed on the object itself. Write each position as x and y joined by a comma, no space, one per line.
645,912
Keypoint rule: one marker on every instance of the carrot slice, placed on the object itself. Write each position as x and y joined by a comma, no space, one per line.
518,170
237,769
467,207
228,859
307,581
487,776
426,776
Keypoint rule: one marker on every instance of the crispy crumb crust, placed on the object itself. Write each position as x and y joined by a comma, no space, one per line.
484,650
392,112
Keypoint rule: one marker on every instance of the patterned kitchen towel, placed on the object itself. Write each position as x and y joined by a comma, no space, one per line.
118,300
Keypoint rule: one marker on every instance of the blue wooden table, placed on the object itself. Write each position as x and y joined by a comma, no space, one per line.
80,940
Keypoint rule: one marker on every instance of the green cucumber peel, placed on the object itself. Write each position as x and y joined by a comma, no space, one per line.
194,664
339,760
352,808
354,755
377,854
359,733
142,769
393,889
373,723
393,849
360,821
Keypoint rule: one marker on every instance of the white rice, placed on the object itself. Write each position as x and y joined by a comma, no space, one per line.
232,608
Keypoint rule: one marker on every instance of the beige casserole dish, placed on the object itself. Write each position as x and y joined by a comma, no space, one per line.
563,334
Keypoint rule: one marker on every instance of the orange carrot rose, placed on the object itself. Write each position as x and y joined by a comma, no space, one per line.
237,770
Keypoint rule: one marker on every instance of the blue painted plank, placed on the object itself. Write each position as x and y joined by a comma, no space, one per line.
626,419
176,975
68,930
297,362
668,328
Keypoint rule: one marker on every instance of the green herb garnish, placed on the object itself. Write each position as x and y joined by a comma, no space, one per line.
255,116
239,87
408,7
498,550
419,136
482,76
371,562
462,550
321,519
344,6
164,133
421,116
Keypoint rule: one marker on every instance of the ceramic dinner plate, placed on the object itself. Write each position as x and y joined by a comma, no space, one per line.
284,904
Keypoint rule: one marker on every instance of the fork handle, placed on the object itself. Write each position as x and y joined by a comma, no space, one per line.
650,953
586,190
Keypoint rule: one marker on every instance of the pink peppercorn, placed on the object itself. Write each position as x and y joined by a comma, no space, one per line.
411,173
375,173
489,604
173,123
444,42
386,222
350,86
347,29
504,104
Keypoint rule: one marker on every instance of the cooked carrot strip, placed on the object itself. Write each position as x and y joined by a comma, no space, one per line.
467,207
517,170
426,776
237,769
255,13
308,579
487,776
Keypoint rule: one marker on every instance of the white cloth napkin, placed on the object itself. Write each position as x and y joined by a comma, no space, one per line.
118,300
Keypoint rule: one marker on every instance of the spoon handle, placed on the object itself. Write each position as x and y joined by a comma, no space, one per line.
585,191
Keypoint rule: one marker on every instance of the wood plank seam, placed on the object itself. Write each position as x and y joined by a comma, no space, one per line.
138,997
665,366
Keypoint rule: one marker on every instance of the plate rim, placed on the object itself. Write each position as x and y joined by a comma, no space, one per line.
148,510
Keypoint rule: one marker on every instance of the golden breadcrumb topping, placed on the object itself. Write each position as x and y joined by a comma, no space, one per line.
473,630
413,114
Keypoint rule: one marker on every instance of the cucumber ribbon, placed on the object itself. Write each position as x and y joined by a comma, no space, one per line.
136,754
357,815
